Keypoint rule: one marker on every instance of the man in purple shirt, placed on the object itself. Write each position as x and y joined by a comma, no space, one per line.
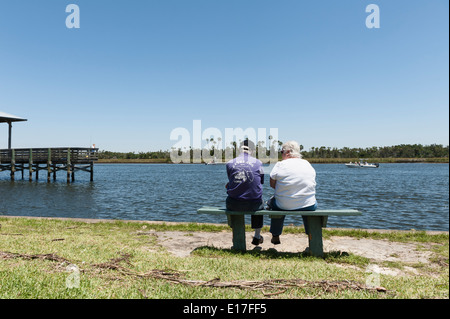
244,187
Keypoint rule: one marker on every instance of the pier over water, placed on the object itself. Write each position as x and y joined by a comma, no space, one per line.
51,160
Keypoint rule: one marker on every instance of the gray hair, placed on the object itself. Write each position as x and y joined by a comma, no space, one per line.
292,148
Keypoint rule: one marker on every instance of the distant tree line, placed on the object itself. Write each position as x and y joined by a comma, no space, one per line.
397,151
162,155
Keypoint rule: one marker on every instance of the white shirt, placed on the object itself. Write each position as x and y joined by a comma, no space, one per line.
296,184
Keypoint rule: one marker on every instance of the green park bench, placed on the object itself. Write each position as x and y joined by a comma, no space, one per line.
315,219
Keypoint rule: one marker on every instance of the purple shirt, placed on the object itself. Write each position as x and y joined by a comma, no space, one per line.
246,176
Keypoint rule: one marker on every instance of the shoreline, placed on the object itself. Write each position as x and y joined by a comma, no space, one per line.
439,160
160,222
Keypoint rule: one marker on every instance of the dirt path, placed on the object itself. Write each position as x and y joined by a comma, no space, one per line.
183,243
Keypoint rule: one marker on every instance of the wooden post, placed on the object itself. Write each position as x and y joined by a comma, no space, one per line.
49,163
13,164
238,226
9,134
315,235
68,165
92,171
30,165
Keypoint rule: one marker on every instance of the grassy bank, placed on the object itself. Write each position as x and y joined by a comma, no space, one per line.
55,258
311,160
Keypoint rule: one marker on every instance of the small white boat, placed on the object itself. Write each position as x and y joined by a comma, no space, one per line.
362,164
213,162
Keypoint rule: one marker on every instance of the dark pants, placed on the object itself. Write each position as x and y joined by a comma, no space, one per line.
276,224
247,206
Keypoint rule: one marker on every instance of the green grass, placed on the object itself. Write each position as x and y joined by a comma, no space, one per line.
118,260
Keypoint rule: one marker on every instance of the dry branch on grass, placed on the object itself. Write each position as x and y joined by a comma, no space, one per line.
275,286
50,257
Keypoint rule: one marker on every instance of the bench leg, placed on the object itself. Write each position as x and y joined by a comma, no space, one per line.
237,223
315,235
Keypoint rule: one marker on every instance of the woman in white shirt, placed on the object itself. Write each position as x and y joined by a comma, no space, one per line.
294,181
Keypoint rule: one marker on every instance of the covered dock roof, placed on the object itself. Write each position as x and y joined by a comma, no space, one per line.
9,118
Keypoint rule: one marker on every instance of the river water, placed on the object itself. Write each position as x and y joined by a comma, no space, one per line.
394,196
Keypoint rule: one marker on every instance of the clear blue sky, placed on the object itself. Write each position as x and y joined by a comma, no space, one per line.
136,69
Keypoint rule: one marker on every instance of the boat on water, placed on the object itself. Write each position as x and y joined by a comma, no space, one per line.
362,164
212,162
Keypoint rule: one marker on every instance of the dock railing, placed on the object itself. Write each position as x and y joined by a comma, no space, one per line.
50,159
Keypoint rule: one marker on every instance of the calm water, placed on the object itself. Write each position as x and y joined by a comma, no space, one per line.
394,196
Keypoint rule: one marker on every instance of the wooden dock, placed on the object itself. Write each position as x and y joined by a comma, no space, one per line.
51,160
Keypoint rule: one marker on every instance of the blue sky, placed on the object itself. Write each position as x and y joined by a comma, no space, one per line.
135,70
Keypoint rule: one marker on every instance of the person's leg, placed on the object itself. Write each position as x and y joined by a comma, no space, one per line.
276,224
257,222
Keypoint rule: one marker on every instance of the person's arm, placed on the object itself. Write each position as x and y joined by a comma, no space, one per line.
272,183
274,175
261,174
228,175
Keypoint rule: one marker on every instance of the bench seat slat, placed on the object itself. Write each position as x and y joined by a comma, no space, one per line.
319,212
